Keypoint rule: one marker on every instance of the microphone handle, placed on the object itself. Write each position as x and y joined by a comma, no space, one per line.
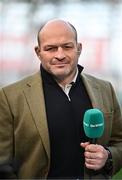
93,141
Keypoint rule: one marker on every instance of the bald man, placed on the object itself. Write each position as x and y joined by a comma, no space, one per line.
41,116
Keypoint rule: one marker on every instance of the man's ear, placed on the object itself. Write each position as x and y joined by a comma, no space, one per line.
37,50
79,48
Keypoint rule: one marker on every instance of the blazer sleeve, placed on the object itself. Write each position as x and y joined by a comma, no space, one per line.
116,134
6,139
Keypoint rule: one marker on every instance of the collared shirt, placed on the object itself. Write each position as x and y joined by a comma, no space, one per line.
67,87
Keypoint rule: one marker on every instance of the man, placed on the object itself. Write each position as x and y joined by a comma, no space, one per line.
41,129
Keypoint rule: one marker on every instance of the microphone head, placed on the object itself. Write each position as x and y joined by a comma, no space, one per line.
93,123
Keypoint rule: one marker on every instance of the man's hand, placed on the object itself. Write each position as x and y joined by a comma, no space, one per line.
95,155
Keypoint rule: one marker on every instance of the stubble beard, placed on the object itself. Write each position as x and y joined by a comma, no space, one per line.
64,75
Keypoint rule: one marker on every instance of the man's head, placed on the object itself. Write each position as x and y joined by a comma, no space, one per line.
68,23
58,49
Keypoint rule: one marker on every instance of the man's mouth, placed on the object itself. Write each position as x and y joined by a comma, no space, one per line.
60,64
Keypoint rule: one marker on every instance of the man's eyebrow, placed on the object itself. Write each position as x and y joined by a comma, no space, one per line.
50,45
68,43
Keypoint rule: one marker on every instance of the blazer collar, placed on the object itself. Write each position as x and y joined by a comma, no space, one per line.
94,91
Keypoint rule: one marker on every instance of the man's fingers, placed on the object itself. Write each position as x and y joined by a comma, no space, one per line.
84,144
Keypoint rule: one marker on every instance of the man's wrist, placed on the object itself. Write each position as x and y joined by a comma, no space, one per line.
109,162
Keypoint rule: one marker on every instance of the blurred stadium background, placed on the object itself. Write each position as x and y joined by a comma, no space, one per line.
99,26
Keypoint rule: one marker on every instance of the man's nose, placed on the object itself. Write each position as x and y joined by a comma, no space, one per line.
60,54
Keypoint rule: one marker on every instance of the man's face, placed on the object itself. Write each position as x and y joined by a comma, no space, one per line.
58,50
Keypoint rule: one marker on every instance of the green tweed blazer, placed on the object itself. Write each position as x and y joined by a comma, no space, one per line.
24,137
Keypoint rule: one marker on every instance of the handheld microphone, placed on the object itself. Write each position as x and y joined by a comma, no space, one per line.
93,124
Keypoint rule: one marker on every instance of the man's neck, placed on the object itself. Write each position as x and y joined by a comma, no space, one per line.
63,82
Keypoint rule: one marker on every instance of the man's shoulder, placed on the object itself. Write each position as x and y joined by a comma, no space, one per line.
94,79
22,83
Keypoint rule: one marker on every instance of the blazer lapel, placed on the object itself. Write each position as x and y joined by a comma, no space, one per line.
35,99
94,92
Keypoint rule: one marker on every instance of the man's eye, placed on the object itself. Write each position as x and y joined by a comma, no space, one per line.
51,49
67,47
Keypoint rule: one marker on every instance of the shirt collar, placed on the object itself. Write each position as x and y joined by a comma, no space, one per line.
75,77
